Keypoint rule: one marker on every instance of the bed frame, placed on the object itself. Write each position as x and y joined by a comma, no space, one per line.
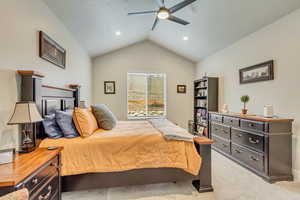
49,99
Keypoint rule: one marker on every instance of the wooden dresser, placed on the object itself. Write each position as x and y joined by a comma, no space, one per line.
262,145
38,171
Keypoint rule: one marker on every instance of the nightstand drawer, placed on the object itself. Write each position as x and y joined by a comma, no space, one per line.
41,176
220,130
253,141
49,191
252,125
251,158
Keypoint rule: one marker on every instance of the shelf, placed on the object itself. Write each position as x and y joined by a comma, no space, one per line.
200,107
200,97
201,88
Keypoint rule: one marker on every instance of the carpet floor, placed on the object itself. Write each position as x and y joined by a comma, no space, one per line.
230,182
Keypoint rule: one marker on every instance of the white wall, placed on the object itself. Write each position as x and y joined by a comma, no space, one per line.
20,22
145,56
279,41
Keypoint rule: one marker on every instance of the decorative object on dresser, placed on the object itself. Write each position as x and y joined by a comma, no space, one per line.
26,114
225,109
38,171
262,145
268,111
109,87
51,51
260,72
245,99
181,89
7,156
205,100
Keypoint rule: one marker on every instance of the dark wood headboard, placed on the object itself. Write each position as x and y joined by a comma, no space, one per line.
47,98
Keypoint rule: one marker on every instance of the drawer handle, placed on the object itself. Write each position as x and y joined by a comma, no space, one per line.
253,158
46,196
252,141
237,151
251,125
239,135
225,132
35,181
224,145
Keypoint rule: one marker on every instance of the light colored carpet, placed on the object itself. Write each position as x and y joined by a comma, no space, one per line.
230,181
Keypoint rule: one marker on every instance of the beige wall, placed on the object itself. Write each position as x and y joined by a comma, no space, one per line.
20,21
279,41
145,56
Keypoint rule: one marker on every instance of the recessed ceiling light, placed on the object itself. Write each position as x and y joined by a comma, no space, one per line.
185,38
118,33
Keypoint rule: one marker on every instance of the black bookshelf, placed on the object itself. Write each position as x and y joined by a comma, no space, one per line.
205,100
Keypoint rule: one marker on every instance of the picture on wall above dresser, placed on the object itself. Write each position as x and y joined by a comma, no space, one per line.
260,72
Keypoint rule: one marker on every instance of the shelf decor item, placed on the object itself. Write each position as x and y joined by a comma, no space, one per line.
260,72
245,99
109,87
205,100
51,51
26,114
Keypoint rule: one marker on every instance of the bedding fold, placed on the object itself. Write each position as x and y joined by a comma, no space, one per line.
170,131
131,145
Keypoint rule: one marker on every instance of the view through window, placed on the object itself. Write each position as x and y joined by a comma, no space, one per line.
146,95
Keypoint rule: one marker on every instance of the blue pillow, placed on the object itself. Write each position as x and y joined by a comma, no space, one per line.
65,122
51,127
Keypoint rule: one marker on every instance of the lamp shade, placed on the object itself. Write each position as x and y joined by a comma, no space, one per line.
25,113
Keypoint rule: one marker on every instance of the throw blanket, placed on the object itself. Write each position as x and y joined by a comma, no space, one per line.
170,131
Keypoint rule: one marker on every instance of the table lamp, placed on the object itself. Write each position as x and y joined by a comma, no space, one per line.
26,114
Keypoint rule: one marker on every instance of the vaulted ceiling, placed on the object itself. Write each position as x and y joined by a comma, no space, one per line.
215,24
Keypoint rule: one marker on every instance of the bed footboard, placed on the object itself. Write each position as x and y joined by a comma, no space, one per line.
204,183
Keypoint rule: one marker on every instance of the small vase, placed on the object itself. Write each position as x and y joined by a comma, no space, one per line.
244,111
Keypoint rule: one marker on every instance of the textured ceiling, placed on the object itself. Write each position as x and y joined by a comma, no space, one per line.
215,24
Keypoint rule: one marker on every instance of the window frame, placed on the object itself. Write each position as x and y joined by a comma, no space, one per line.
165,95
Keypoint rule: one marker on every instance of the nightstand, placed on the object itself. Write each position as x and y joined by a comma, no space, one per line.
38,171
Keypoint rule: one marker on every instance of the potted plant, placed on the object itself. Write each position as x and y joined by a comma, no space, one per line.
245,99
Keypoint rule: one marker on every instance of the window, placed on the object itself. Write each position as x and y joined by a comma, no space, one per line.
146,95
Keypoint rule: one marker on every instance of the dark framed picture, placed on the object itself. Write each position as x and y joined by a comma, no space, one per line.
109,87
260,72
181,89
51,51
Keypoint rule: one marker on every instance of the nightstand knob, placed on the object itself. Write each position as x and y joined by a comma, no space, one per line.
35,181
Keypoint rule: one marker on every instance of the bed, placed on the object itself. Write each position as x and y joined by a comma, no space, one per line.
49,99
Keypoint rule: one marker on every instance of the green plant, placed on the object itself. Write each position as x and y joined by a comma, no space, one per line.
245,99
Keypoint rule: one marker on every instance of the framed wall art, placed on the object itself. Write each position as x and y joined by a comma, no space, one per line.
181,89
51,51
109,87
260,72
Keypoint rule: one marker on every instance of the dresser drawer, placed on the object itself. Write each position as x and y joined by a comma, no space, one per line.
252,125
231,121
41,176
220,130
253,141
221,144
216,118
250,158
50,191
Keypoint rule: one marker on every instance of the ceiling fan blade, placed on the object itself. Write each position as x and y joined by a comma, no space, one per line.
155,23
161,3
181,5
178,20
143,12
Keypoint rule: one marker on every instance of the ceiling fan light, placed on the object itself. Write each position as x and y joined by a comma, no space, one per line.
163,14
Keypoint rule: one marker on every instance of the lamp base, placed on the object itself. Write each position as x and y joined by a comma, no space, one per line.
26,149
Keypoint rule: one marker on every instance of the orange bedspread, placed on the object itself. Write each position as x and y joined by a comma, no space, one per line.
131,145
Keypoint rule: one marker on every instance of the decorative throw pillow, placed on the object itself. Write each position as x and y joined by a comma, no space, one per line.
51,127
85,121
105,118
65,122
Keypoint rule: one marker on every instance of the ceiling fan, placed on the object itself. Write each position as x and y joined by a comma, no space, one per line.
166,13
